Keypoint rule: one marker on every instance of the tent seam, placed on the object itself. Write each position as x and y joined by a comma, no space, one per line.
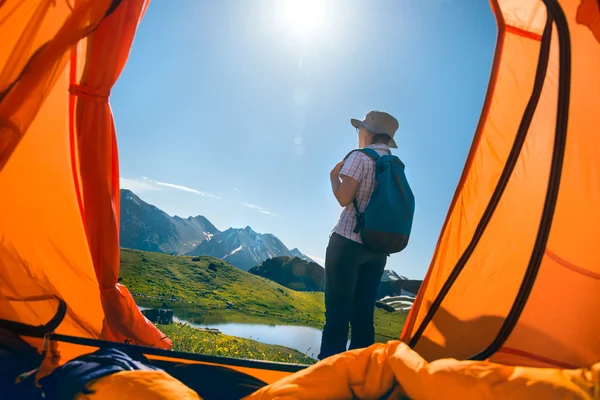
503,181
560,137
570,266
523,33
409,323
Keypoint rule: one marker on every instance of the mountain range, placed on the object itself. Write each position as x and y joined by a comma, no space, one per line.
146,227
243,248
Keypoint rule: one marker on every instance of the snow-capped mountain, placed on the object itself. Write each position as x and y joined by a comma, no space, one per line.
393,284
242,248
297,253
389,275
146,227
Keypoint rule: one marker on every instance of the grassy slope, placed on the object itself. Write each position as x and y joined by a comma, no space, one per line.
201,295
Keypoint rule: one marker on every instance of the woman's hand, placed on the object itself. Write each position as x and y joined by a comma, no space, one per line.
335,172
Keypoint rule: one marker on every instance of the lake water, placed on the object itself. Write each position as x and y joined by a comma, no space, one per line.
305,339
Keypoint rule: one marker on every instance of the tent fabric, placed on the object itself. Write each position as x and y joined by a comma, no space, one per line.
43,251
107,51
394,371
30,62
515,275
55,60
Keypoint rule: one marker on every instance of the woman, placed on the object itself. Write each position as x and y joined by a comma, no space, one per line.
352,271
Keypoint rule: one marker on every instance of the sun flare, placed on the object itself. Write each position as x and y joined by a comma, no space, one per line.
302,18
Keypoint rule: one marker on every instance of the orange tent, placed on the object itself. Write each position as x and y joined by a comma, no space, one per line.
515,275
516,272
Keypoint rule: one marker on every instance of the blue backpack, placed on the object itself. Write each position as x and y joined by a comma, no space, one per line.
386,223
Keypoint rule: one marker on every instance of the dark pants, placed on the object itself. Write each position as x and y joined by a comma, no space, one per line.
352,276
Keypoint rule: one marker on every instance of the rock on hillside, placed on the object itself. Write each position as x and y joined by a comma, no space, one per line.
293,272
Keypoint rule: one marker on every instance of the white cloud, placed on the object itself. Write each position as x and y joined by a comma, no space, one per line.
186,189
179,187
237,190
259,209
147,184
136,186
253,206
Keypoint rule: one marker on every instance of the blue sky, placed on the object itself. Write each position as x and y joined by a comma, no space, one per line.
238,110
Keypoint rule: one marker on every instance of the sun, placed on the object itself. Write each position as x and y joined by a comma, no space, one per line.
303,19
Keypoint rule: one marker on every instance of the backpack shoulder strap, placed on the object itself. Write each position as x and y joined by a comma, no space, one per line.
372,154
348,155
369,152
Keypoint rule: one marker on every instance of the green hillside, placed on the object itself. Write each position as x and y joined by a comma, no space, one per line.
208,290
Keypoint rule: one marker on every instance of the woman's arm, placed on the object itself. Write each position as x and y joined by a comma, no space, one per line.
345,189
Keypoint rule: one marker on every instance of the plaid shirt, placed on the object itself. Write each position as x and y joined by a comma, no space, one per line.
362,168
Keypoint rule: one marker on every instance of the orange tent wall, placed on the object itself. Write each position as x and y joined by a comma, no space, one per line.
556,324
59,167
